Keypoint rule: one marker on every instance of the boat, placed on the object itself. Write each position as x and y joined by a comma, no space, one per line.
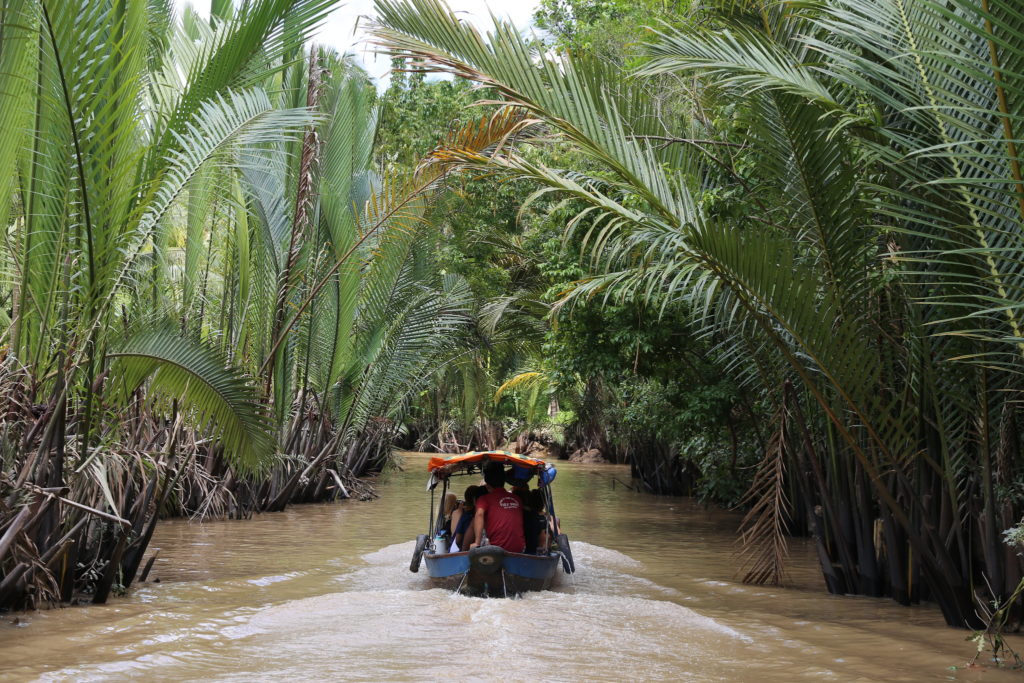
489,570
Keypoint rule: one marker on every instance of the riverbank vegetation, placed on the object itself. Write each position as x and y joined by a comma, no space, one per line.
212,304
821,203
768,254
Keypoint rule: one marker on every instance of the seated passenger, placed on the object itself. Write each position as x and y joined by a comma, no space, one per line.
457,514
534,523
499,513
451,504
463,519
518,478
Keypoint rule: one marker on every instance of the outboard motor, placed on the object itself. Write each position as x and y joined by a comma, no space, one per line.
485,575
486,560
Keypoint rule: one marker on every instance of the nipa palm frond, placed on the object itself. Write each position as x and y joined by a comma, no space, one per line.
220,396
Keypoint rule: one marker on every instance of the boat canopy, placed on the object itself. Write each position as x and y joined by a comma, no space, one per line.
466,460
441,468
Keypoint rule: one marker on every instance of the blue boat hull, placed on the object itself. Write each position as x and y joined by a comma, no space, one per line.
492,571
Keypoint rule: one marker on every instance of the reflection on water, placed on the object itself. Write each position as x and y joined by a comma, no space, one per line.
324,593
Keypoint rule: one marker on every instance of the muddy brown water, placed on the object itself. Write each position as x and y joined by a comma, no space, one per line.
324,593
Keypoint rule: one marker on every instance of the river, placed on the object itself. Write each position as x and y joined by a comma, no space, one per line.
323,592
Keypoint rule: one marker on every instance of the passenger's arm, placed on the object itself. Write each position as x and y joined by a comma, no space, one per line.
478,527
554,525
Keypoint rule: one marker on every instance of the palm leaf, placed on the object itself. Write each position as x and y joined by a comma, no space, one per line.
220,397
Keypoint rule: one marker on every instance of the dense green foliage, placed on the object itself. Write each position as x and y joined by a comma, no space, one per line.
608,29
214,303
832,197
763,252
576,376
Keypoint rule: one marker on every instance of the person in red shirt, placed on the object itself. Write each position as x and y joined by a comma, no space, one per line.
499,512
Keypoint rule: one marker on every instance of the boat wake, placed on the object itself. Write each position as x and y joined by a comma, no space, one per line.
379,621
385,622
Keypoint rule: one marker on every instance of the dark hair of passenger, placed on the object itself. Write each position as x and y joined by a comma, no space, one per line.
494,475
473,493
535,501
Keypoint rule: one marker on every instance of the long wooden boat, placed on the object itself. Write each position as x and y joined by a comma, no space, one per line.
490,570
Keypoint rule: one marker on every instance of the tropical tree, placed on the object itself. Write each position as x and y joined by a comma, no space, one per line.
113,112
214,306
869,287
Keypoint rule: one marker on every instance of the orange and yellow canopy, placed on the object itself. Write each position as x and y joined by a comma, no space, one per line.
455,462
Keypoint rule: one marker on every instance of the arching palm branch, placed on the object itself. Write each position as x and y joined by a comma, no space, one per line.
810,280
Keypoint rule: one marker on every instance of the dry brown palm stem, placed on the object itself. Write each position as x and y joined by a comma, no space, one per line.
12,530
48,559
284,495
763,530
48,421
303,203
143,528
60,498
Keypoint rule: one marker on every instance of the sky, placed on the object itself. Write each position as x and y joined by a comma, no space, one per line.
340,31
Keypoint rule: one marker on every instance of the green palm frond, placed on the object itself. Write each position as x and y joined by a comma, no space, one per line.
221,397
347,145
15,86
737,58
944,118
244,119
255,43
584,99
